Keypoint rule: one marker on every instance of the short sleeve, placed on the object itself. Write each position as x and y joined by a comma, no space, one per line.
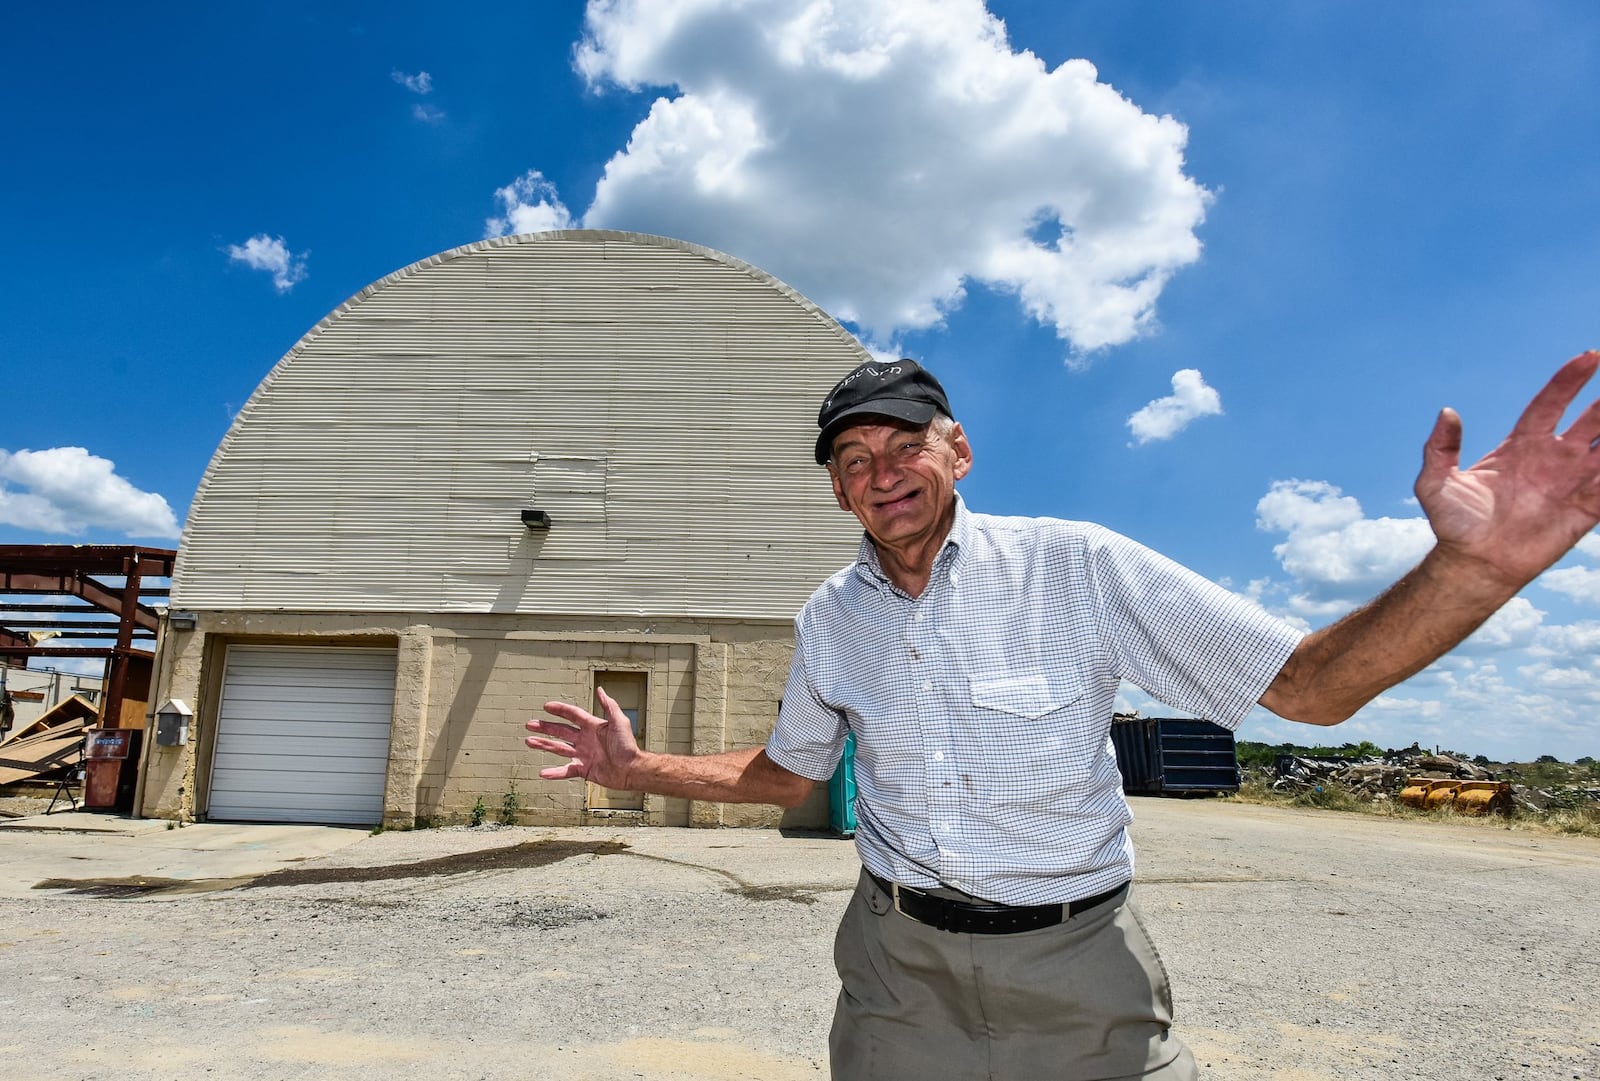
809,736
1181,637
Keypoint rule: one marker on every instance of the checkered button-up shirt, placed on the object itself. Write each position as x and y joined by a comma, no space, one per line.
982,709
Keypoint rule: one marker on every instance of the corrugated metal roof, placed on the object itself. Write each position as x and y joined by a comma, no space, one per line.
657,399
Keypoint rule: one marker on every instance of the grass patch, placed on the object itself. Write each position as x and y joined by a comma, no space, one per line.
1328,798
1581,821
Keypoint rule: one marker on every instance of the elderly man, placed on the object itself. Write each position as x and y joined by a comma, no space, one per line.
975,658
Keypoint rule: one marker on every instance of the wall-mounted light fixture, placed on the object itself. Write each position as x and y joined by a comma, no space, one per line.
181,621
536,519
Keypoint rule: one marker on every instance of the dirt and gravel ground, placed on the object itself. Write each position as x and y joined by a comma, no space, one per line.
1304,946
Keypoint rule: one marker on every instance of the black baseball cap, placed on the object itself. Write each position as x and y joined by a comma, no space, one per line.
901,389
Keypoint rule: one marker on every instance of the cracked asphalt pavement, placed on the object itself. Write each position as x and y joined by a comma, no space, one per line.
1302,945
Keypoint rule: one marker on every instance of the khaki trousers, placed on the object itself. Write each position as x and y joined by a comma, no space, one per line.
1086,1000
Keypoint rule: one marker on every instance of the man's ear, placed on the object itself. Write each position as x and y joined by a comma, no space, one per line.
838,489
958,443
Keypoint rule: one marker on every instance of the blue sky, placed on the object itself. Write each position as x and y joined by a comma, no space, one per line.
1309,226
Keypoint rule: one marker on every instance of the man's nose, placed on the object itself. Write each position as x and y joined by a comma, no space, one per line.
886,471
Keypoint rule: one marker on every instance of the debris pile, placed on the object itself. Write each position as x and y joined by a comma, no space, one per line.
1424,779
1558,798
1371,778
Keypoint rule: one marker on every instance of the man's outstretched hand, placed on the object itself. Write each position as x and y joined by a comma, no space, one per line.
603,750
600,749
1498,526
1528,501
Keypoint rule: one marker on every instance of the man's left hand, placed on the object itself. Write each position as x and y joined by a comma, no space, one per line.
1498,526
1528,501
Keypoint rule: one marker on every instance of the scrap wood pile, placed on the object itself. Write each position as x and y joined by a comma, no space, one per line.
49,748
1424,780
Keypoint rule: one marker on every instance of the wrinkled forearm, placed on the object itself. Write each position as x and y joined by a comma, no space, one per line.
1340,668
746,776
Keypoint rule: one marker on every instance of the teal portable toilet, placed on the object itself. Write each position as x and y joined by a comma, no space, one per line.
842,791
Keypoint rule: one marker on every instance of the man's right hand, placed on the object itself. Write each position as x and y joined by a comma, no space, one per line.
601,749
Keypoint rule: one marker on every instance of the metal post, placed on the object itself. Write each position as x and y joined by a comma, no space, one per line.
117,683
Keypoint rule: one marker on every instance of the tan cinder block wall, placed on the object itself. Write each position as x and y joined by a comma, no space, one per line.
501,683
712,688
167,782
466,684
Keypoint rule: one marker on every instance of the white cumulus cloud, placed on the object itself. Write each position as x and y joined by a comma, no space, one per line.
428,114
879,156
68,490
1333,550
1583,678
420,83
1568,640
530,205
271,254
1166,417
1579,583
1515,626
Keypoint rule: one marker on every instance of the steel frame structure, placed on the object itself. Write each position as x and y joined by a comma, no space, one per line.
104,593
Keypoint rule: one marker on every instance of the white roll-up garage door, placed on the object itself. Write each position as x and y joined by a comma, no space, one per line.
302,735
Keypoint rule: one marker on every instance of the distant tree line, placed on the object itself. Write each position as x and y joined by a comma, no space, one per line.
1254,755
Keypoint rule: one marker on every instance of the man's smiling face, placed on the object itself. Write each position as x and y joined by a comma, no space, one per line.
898,480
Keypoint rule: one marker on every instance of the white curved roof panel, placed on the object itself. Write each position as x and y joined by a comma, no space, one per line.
657,399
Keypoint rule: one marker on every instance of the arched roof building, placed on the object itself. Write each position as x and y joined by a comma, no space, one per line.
504,474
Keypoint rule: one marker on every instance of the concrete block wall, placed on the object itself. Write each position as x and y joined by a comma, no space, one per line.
464,687
496,684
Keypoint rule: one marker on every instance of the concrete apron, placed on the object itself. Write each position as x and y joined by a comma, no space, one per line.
82,851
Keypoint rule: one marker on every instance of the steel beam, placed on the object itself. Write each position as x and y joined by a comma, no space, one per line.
58,651
115,559
59,624
79,585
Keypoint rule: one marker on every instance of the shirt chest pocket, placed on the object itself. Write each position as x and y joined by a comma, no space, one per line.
1036,735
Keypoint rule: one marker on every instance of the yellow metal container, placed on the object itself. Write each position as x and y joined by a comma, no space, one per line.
1483,797
1467,797
1415,793
1441,793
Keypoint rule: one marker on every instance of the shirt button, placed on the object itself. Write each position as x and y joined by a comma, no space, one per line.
919,615
927,685
938,756
945,827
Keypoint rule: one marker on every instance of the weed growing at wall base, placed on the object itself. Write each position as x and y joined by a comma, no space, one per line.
510,805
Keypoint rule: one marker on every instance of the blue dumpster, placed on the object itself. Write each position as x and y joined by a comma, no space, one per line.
842,791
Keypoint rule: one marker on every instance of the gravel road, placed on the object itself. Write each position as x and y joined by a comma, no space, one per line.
1303,946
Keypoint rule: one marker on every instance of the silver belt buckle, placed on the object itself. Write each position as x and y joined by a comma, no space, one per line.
894,892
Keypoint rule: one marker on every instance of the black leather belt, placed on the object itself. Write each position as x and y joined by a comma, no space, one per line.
970,919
